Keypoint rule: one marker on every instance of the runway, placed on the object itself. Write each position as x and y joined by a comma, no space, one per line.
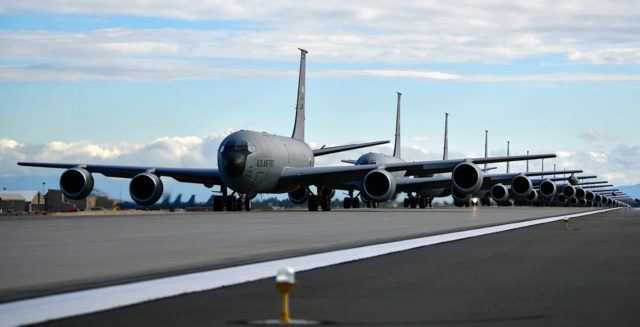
540,275
48,255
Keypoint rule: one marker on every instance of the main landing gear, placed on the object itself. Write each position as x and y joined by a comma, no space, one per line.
417,201
231,202
351,201
323,200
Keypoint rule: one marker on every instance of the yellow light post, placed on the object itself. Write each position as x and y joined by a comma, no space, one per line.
285,282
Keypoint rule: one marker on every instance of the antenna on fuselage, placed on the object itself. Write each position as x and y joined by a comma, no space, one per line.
298,128
396,146
445,151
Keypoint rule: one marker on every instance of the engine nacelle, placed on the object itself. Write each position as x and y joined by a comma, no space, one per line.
569,191
573,202
76,183
580,193
548,189
499,193
467,177
533,196
379,185
459,196
597,198
521,186
299,196
582,202
589,196
145,188
561,199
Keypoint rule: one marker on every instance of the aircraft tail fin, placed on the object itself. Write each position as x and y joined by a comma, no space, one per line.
486,145
397,145
298,128
445,151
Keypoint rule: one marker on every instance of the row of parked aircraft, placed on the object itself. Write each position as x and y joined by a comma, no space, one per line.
251,162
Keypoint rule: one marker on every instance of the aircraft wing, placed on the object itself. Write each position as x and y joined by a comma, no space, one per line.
337,174
187,175
444,166
490,180
333,149
420,183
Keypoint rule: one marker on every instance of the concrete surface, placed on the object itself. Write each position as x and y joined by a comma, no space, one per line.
47,255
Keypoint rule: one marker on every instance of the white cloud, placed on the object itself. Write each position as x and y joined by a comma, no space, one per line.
400,33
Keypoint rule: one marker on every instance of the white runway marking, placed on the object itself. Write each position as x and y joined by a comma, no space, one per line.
99,299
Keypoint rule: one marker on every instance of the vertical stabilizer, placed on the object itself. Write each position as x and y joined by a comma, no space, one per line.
508,143
445,150
397,145
486,146
298,128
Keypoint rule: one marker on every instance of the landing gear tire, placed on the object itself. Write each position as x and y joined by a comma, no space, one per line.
406,203
312,202
422,202
347,203
413,202
218,203
247,204
239,204
231,203
325,202
355,203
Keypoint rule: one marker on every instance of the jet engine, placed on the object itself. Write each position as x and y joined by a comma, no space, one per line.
548,189
499,193
582,202
533,196
76,183
568,191
146,188
460,197
580,193
561,199
379,185
299,196
521,186
589,196
573,202
597,198
467,177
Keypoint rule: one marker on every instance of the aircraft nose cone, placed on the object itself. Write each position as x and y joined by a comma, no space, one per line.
233,163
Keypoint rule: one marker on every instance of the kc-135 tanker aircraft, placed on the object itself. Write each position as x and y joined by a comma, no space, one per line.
251,162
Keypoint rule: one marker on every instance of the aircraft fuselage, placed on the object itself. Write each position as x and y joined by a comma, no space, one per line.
252,162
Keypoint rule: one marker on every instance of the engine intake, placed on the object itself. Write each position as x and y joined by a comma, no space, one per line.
379,185
533,196
146,188
467,177
548,189
589,196
521,186
76,183
499,193
569,191
299,196
459,196
580,193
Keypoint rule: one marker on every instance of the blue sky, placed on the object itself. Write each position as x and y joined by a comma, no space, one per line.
128,82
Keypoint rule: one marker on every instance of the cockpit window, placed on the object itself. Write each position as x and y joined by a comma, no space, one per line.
239,147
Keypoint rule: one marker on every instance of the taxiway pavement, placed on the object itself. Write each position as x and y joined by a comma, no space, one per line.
54,254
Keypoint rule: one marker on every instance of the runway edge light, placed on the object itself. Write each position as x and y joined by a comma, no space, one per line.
285,282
